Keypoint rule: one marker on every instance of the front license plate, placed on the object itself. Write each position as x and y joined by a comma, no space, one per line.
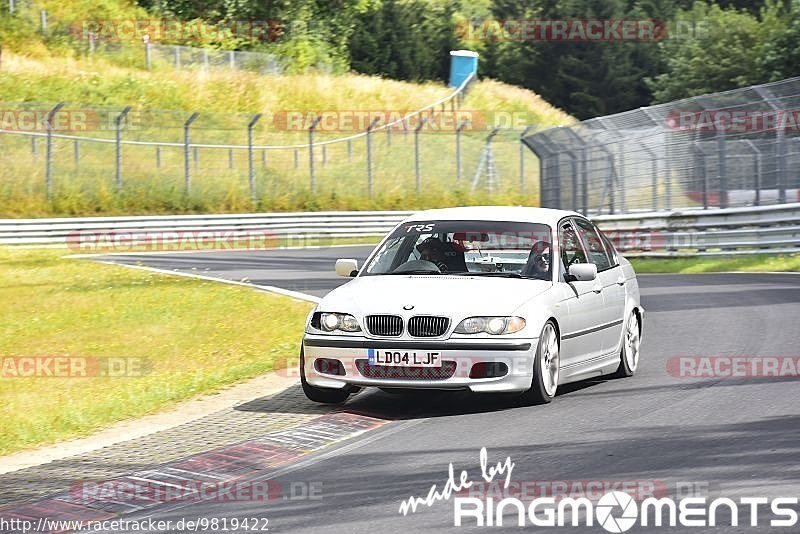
404,358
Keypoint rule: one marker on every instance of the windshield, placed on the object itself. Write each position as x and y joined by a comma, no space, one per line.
481,248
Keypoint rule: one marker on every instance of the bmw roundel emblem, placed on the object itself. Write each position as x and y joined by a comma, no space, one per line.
408,307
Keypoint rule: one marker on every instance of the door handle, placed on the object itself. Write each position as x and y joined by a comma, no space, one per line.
621,280
597,288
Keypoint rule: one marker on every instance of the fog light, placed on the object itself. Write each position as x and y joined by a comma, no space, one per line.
488,370
329,366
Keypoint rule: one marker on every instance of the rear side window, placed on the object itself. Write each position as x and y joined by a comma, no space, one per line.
612,252
595,249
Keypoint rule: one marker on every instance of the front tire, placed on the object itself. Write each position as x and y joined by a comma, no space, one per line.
629,353
546,367
321,395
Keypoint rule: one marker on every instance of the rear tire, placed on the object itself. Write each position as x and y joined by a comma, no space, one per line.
321,395
629,353
546,367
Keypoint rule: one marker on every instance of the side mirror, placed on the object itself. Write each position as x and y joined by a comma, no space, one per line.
346,267
581,272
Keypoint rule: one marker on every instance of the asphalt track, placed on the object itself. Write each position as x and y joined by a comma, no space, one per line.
726,437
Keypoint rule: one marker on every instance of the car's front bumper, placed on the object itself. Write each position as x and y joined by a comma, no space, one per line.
353,352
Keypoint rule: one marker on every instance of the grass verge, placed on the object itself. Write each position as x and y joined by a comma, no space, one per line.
187,336
754,263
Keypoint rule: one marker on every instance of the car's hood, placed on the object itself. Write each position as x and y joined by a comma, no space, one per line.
432,294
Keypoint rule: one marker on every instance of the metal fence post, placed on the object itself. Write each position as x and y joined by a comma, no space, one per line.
44,21
369,154
758,170
11,6
459,129
349,150
417,130
48,173
35,149
722,168
177,57
311,152
487,161
118,127
251,171
573,167
187,173
76,152
147,62
780,139
296,158
158,157
700,164
522,150
232,59
584,182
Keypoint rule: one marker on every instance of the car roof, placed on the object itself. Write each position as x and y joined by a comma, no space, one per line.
494,213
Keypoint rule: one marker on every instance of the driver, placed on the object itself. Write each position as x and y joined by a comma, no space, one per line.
432,250
541,262
538,264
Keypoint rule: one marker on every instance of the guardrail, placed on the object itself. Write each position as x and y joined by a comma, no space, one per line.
755,230
296,226
698,232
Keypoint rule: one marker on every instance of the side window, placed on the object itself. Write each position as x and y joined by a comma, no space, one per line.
595,248
612,252
571,248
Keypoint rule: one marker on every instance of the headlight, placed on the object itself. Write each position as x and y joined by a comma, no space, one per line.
490,325
338,321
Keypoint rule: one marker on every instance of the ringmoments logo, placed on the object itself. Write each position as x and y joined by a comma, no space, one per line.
615,511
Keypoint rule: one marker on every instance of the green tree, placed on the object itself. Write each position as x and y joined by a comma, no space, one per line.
721,54
404,39
780,57
587,78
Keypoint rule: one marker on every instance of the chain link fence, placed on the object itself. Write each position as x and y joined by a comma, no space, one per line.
440,152
735,148
153,55
128,41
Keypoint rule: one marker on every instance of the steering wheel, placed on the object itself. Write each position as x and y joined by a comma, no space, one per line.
417,265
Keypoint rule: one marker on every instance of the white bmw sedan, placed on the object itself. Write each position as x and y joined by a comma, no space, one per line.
489,299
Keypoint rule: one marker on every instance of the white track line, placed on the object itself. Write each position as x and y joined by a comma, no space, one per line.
271,289
161,252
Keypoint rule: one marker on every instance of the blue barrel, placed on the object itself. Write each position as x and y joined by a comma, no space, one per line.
462,64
